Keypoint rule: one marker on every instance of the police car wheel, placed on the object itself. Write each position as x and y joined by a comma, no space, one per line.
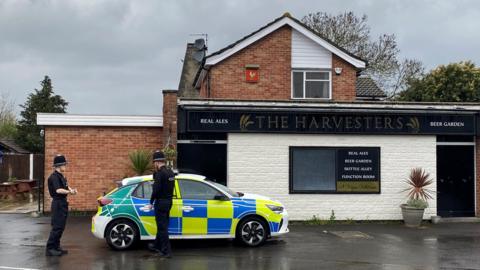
122,234
252,232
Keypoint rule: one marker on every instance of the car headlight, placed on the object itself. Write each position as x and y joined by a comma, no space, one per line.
275,208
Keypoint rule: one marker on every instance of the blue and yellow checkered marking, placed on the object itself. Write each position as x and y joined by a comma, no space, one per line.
199,208
174,226
207,216
148,218
219,225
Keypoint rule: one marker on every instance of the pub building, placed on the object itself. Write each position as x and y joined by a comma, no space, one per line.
286,113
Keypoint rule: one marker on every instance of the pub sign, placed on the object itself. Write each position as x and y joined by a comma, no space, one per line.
328,122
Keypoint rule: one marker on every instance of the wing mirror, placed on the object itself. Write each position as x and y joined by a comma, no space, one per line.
221,197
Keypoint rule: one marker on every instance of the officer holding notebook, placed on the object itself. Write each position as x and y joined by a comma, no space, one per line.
161,200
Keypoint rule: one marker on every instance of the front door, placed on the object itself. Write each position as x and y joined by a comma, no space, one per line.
455,181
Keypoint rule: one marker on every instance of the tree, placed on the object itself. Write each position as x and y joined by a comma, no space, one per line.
455,82
352,33
7,117
40,101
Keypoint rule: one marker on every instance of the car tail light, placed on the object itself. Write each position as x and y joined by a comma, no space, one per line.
104,201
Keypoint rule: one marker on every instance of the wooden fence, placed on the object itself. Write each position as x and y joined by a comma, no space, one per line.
17,166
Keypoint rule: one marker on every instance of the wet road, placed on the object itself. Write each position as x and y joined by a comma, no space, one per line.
455,246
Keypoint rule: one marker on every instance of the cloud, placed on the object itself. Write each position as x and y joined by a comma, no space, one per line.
115,56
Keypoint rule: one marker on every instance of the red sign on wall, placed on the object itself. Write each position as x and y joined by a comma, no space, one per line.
252,75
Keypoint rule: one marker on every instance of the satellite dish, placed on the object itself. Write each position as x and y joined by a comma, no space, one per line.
199,55
200,44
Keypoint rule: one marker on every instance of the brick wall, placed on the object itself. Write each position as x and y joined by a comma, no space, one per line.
343,85
273,54
267,157
97,156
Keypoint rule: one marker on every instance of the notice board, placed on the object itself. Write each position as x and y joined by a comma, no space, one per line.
358,170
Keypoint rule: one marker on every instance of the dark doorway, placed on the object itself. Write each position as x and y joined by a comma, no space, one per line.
455,181
209,159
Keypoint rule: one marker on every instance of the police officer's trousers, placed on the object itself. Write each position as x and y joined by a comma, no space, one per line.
59,220
162,217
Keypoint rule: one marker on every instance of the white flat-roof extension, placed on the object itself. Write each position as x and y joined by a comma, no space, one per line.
64,119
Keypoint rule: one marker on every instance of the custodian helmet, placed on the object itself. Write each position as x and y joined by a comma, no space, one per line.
158,156
59,160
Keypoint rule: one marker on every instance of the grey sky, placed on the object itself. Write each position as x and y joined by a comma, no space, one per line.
115,57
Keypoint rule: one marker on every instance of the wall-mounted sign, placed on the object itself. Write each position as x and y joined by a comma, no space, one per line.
328,122
358,170
252,75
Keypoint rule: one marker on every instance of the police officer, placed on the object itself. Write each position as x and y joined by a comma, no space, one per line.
58,189
161,201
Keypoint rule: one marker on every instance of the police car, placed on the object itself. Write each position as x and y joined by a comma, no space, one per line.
201,209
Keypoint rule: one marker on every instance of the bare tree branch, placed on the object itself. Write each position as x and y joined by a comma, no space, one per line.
352,33
7,117
7,112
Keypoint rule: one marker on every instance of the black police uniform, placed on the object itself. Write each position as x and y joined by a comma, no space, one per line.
161,199
59,209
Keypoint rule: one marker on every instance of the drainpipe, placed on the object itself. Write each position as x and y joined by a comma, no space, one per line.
41,180
208,83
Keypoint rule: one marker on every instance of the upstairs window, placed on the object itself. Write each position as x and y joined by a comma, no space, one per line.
311,84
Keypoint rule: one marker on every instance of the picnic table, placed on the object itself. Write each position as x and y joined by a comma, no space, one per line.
25,185
9,190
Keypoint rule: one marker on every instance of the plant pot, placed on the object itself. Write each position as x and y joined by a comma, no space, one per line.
412,216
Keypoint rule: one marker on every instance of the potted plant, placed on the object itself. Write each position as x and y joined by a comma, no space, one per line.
140,161
170,155
418,194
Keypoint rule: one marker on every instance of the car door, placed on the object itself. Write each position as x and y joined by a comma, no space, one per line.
141,198
205,210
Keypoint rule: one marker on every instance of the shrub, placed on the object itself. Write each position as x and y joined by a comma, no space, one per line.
418,193
418,181
332,217
141,161
417,203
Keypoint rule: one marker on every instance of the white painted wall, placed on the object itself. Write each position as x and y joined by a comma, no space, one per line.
258,163
308,54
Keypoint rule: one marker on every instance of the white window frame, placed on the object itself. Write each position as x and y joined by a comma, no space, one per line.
304,71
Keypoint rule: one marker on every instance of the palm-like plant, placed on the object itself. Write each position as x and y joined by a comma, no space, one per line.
140,161
418,181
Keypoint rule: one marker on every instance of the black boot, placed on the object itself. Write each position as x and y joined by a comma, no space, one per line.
163,255
53,252
151,247
64,251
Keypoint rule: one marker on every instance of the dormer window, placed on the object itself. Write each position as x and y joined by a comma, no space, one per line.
311,84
